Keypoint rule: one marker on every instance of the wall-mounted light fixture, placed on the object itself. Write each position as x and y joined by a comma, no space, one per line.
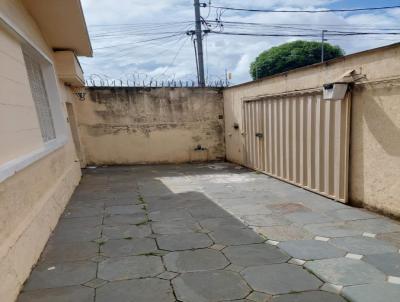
335,91
80,92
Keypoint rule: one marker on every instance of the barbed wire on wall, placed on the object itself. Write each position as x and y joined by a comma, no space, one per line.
142,80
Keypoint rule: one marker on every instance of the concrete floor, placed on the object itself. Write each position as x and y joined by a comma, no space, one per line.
212,232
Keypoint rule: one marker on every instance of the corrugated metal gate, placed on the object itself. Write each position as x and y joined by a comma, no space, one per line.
300,138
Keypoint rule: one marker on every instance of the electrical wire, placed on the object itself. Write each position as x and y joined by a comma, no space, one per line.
173,60
301,35
306,11
139,24
132,30
299,26
262,35
138,42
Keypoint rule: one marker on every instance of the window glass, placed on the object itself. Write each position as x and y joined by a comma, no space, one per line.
40,96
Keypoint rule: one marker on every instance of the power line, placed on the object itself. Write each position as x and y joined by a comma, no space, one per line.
173,60
137,42
262,35
299,35
138,34
295,25
139,24
143,51
306,11
134,29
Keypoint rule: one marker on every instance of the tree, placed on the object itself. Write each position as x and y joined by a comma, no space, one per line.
291,55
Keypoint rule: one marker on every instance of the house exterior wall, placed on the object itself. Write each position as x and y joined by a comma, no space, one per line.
34,196
151,125
375,120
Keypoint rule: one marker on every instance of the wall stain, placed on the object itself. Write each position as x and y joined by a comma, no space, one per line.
190,115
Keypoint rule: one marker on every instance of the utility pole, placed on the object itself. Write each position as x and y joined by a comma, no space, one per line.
322,45
196,57
199,39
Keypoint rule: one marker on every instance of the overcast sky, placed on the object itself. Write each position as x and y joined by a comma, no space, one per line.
118,29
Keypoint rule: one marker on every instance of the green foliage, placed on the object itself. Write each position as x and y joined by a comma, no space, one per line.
291,55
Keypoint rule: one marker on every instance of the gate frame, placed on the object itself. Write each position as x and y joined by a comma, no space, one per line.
347,134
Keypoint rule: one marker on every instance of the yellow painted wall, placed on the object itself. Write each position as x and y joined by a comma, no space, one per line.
375,147
151,125
375,128
31,200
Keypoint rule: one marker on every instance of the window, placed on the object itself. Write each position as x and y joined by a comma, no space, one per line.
40,96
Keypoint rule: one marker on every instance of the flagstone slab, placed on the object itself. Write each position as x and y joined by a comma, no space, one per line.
254,254
345,271
210,286
183,241
126,231
387,263
75,234
61,275
83,211
392,238
210,211
333,230
124,209
175,226
197,260
312,296
235,236
373,292
130,267
311,249
363,245
123,201
278,279
143,290
170,214
63,294
245,209
287,208
132,219
351,214
56,252
259,297
264,220
225,222
80,222
128,247
307,218
375,226
284,232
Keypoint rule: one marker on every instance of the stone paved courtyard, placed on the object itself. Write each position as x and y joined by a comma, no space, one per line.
212,232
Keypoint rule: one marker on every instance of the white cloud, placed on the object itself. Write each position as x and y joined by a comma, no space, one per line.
234,53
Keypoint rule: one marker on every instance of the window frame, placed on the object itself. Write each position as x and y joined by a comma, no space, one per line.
13,166
33,61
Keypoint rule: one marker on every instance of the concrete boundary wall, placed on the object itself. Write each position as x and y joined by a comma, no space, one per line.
374,169
151,125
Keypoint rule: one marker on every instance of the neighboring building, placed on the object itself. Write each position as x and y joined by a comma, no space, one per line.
39,168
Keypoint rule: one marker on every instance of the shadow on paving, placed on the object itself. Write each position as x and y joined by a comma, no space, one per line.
126,236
